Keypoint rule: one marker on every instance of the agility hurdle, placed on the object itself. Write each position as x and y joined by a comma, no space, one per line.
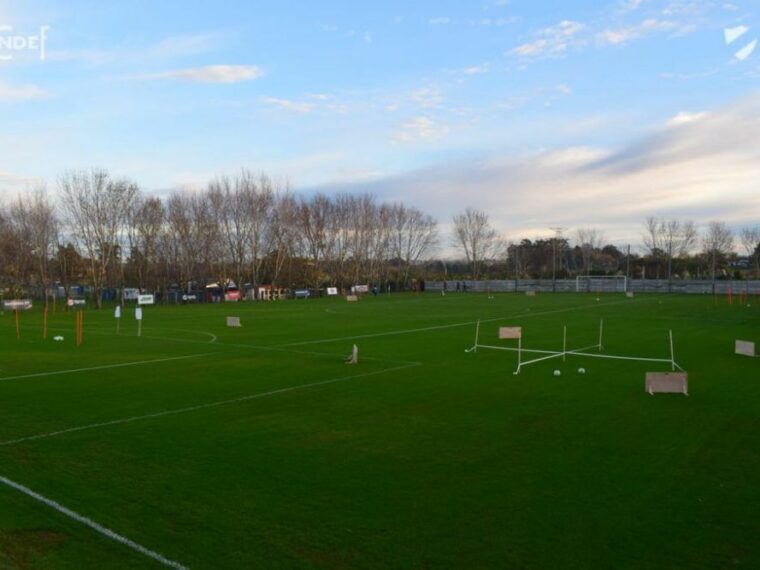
515,333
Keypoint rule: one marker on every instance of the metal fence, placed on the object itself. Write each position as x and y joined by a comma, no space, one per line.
569,286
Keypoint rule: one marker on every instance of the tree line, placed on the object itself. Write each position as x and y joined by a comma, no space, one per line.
106,233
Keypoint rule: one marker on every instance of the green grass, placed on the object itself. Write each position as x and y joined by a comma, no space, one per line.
422,456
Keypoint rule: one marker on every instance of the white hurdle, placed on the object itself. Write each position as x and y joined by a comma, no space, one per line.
506,333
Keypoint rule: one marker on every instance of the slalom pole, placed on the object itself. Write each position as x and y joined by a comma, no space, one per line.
564,343
601,330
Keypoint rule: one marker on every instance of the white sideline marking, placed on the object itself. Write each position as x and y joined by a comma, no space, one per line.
203,406
107,532
105,366
455,325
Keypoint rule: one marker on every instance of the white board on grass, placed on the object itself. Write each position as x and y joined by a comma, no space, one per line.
510,332
667,383
745,348
352,298
233,322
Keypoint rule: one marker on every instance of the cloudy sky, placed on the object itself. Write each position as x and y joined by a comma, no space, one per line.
543,112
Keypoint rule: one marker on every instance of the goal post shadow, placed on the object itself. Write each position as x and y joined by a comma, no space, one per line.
515,333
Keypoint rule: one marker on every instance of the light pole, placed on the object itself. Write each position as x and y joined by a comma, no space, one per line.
557,234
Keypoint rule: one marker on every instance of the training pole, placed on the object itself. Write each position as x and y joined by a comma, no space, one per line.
601,331
672,353
564,343
18,326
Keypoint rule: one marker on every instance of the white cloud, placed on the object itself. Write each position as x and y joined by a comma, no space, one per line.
702,166
301,107
439,21
426,97
685,117
553,41
420,128
211,74
10,93
486,22
617,36
479,69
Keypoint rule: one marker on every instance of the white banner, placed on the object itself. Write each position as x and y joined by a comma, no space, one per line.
17,305
332,290
145,300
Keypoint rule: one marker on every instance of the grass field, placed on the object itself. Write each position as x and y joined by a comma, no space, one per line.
259,448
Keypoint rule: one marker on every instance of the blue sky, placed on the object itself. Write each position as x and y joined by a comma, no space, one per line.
545,113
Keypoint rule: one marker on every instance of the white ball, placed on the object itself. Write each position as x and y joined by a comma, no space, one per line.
581,371
557,372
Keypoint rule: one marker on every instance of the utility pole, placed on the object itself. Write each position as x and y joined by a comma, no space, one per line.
557,234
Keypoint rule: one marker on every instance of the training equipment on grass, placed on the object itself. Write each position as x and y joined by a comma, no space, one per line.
117,316
581,370
667,383
79,328
138,318
352,298
353,358
511,333
601,283
58,338
557,373
233,322
745,348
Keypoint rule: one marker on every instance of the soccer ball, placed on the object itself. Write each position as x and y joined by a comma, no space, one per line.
58,338
557,372
581,371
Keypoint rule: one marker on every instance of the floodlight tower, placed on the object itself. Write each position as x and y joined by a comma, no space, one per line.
557,234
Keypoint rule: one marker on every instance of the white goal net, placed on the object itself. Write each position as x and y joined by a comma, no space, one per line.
601,284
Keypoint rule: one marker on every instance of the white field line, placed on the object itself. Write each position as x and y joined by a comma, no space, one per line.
254,347
455,325
107,532
203,406
105,366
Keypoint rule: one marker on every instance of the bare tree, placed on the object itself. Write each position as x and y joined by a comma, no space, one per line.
97,210
750,238
412,234
717,242
476,237
589,240
146,226
669,240
314,217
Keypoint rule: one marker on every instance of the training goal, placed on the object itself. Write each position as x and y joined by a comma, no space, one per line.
601,284
591,351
